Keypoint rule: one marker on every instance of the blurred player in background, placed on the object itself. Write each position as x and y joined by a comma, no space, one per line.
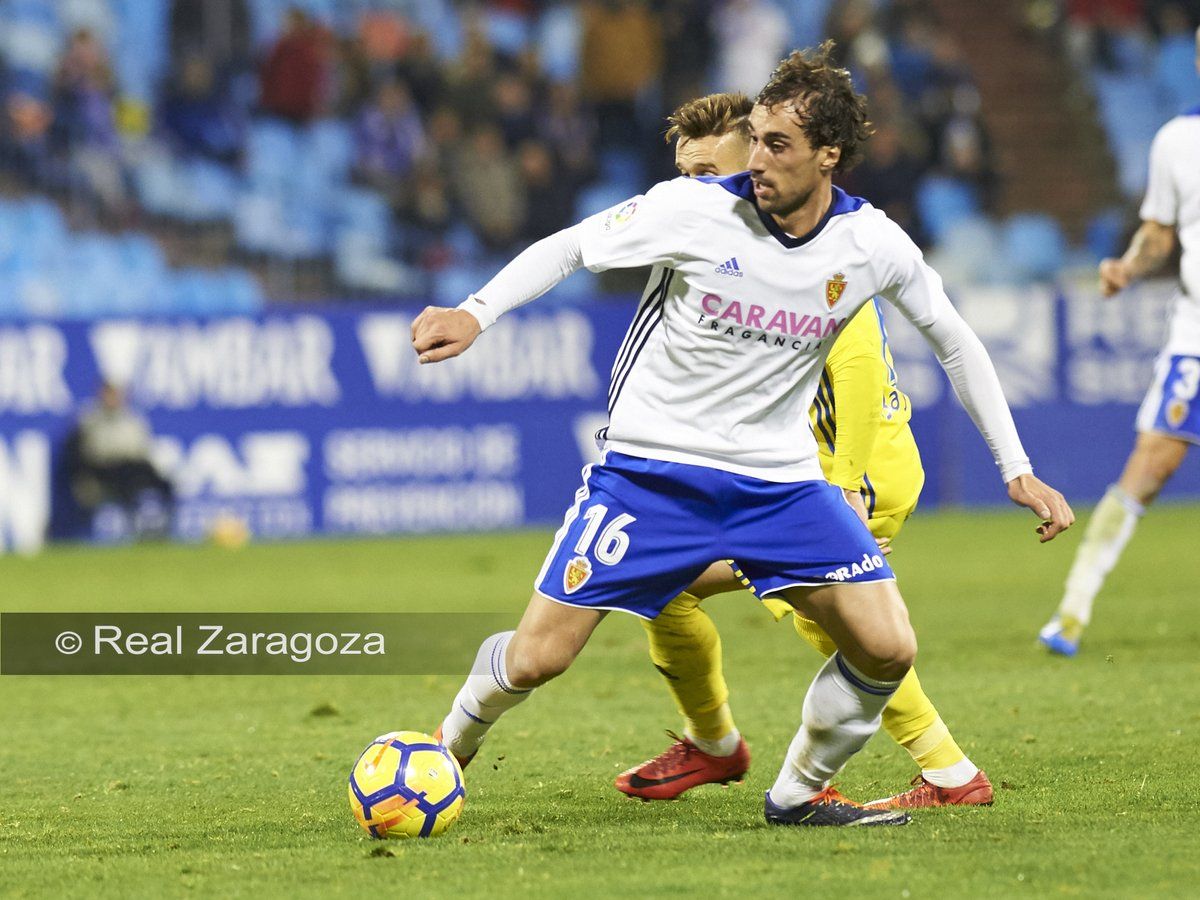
1169,419
865,447
708,452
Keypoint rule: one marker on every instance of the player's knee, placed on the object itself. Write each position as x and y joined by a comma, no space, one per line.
531,666
893,657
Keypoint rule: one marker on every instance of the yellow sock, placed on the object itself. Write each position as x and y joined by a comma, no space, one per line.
914,724
686,648
909,718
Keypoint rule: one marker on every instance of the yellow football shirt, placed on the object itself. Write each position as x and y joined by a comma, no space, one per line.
860,419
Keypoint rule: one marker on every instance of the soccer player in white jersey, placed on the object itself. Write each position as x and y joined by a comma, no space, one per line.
709,453
1169,419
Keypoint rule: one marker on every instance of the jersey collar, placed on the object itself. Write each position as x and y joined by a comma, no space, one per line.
740,186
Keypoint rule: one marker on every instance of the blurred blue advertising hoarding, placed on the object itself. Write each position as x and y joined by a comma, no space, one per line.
322,422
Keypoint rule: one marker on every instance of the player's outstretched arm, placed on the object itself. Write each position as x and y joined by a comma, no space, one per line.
1150,247
1047,504
916,290
440,333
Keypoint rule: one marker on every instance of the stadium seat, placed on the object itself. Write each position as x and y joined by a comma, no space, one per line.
273,155
942,202
1175,73
1033,246
599,197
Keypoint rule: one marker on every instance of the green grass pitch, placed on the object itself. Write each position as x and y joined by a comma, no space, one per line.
235,786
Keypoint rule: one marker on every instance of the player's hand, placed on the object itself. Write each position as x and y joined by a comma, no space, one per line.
1047,504
441,333
885,545
1114,276
854,498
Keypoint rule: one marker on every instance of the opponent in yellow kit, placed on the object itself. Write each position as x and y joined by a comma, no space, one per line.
860,419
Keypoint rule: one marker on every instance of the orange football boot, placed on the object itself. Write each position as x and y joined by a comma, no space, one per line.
976,792
681,767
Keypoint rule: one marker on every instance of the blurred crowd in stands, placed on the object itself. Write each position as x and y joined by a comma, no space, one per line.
409,147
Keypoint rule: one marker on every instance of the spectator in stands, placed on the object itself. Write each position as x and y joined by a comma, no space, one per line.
198,116
689,48
469,81
513,98
24,134
489,189
418,67
888,177
217,30
965,157
83,121
352,78
550,207
570,132
389,139
109,460
295,76
622,58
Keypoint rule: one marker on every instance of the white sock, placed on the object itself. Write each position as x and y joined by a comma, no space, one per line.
841,712
486,696
722,746
1108,532
952,776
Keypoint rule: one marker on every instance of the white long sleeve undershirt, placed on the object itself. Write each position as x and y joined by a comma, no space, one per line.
534,271
973,377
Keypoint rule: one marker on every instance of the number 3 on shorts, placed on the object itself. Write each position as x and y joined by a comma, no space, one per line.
613,541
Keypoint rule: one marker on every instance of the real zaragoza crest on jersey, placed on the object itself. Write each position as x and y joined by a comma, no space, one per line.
834,288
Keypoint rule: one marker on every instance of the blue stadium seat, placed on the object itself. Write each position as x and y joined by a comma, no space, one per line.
1034,246
330,145
1175,73
599,197
273,154
942,202
211,191
242,292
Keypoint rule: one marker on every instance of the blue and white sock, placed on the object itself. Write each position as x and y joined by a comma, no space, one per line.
842,710
486,696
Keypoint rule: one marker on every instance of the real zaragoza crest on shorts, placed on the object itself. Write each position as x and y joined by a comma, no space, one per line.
578,571
834,288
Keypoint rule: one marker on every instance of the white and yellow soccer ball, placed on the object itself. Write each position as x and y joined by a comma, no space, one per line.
406,784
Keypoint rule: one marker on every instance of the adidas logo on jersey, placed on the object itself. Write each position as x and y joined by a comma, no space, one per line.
729,267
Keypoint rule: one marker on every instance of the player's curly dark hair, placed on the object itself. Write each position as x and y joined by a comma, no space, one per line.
830,113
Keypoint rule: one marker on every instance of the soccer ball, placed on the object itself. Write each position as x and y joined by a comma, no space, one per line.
406,784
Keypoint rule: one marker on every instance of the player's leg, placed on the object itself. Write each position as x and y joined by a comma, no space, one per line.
869,624
1154,459
686,649
947,776
1167,422
509,665
626,543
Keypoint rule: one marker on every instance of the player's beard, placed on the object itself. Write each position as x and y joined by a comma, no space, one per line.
784,206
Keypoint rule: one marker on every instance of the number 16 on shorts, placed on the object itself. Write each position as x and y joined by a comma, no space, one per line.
606,540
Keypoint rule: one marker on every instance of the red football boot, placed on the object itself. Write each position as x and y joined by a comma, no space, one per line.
681,767
463,761
976,792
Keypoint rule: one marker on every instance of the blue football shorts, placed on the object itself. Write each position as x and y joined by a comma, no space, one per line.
1171,406
641,530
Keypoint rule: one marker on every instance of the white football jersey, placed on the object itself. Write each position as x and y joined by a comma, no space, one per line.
1173,198
725,353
